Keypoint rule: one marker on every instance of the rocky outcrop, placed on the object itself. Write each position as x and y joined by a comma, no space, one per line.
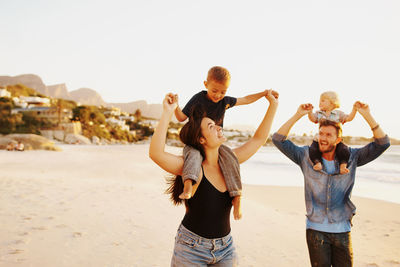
30,141
77,139
87,96
58,91
29,80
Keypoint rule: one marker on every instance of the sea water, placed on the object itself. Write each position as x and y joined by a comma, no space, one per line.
378,179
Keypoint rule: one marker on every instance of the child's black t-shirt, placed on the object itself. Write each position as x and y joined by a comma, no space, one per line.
215,111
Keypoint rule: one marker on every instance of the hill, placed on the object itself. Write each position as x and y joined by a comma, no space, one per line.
84,96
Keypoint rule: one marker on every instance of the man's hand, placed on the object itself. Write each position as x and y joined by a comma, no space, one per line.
362,108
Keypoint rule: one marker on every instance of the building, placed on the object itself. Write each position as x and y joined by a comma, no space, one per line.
4,93
113,111
51,113
119,123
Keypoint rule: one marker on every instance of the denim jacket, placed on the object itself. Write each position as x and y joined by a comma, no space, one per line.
328,195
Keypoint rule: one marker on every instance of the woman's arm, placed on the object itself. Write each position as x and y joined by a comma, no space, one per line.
167,161
245,151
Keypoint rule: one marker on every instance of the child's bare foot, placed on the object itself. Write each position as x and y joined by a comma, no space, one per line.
237,208
343,168
318,166
185,195
187,190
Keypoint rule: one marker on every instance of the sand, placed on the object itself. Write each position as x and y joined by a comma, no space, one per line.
104,206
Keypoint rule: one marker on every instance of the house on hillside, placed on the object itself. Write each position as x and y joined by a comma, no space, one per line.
113,111
4,93
119,123
34,101
51,113
31,101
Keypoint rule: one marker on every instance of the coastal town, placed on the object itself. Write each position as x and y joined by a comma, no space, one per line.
27,114
38,121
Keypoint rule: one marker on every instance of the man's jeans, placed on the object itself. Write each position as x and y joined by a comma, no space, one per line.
329,249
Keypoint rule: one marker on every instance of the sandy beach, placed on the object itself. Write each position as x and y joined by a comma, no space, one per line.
104,206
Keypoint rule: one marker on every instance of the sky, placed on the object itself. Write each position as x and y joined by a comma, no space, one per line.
141,50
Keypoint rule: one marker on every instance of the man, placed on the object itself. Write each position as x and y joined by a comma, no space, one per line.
327,193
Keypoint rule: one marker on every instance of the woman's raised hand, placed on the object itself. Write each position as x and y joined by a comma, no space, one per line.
272,96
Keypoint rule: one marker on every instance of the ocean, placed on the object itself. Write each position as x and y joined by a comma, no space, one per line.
379,179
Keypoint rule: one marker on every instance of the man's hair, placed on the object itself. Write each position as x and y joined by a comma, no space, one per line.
219,74
337,125
333,97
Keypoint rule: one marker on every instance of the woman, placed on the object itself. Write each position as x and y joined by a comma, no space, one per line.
203,237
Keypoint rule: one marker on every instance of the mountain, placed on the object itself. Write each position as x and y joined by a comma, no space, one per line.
58,91
29,80
84,96
87,96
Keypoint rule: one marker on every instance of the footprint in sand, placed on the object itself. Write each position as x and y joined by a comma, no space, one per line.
21,241
61,226
394,262
41,228
77,234
23,233
16,251
26,218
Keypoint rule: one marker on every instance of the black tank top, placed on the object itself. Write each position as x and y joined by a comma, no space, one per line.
208,211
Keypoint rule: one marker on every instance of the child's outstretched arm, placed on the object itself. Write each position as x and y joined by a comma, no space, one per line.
180,116
312,117
352,114
250,98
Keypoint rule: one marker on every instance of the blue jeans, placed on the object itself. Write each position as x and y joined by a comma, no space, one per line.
192,250
329,249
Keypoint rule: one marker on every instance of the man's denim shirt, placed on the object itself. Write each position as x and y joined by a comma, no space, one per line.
329,195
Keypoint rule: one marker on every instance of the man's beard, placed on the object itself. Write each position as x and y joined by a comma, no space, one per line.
330,148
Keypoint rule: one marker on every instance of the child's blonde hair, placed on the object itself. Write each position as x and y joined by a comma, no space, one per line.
333,97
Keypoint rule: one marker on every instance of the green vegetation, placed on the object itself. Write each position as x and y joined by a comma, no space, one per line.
18,90
19,123
94,123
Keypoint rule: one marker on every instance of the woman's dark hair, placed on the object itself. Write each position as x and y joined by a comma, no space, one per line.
190,135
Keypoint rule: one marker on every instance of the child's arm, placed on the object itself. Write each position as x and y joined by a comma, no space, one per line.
180,116
312,117
352,114
250,98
